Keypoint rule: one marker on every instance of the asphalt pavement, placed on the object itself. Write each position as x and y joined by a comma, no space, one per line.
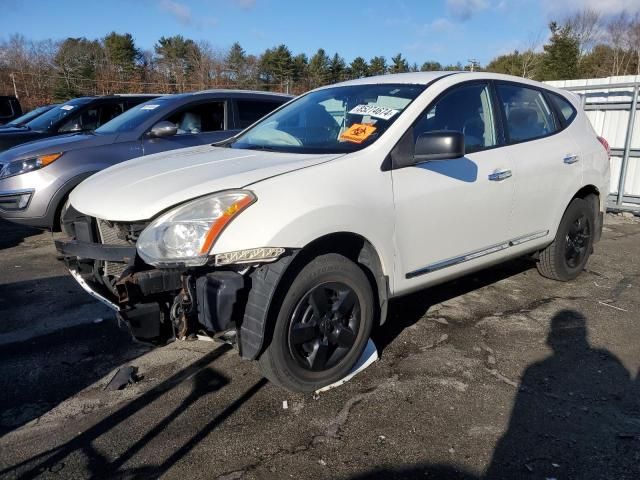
501,374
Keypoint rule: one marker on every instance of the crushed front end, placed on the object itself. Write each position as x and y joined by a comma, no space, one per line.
160,304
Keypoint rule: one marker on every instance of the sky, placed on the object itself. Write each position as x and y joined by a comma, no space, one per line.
447,31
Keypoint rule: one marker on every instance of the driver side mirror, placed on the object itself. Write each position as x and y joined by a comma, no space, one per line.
163,129
439,145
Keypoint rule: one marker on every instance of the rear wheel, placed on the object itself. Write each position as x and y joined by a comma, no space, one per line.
567,256
323,325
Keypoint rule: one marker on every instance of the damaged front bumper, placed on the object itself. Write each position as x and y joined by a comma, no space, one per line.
161,304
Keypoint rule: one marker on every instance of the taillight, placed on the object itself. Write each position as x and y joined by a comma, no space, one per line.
605,144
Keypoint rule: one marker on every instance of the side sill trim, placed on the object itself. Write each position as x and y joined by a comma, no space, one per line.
476,254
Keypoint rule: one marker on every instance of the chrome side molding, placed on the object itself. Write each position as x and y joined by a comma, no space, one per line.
477,254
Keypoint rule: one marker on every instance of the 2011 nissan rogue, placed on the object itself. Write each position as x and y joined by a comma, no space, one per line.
295,233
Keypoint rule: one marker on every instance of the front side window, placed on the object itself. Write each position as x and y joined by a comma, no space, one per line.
132,118
465,109
87,120
203,117
332,120
250,111
527,113
56,115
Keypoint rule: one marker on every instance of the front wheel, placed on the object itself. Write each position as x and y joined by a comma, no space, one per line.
322,327
567,256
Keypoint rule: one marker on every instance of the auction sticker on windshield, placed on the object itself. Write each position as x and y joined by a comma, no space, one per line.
383,113
358,133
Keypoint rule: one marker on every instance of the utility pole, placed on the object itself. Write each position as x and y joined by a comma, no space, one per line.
15,90
473,64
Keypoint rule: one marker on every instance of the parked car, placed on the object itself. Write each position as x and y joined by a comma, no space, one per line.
32,195
9,108
27,117
75,116
296,233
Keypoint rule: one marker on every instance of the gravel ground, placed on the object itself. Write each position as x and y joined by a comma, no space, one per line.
502,374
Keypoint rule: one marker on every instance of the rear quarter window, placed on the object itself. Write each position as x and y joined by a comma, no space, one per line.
564,107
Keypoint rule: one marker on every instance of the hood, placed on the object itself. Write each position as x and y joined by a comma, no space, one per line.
15,136
64,143
141,188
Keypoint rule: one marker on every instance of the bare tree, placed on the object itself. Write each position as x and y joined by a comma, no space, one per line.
618,30
634,40
586,28
530,57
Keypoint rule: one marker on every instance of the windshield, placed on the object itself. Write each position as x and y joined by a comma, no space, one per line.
29,116
332,120
132,118
53,116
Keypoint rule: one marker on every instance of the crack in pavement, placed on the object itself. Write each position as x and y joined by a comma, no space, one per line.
332,433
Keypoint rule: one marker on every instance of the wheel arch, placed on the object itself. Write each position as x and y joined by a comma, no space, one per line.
269,283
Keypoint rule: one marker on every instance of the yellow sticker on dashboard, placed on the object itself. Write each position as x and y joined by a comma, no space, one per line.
358,133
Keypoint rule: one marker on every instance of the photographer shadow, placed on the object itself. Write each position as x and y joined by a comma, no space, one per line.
571,413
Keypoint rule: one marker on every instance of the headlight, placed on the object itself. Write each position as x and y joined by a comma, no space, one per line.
25,165
185,235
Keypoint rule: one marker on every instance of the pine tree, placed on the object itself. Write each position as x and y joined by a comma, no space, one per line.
359,68
378,66
561,54
399,64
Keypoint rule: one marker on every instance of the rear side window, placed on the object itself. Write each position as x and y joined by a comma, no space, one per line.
6,109
250,111
202,117
564,107
527,113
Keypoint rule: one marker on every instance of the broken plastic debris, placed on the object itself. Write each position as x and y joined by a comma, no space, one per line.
285,404
205,338
123,377
369,356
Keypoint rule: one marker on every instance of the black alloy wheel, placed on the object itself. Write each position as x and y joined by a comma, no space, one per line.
324,326
323,323
577,241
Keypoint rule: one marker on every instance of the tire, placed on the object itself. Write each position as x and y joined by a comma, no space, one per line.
567,256
322,327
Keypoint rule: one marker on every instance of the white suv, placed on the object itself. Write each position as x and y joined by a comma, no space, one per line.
292,236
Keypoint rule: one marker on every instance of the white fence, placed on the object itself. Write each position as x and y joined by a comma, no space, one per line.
611,104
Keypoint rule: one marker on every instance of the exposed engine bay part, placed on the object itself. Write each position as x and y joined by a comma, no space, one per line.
217,297
135,286
148,323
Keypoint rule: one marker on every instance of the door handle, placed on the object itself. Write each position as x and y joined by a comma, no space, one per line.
499,175
569,159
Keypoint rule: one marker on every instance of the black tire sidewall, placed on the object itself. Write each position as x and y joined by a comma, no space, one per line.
323,269
575,209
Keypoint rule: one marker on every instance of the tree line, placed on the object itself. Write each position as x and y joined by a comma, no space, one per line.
584,45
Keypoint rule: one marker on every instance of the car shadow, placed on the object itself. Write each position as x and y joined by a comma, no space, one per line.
12,234
461,169
408,310
204,380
